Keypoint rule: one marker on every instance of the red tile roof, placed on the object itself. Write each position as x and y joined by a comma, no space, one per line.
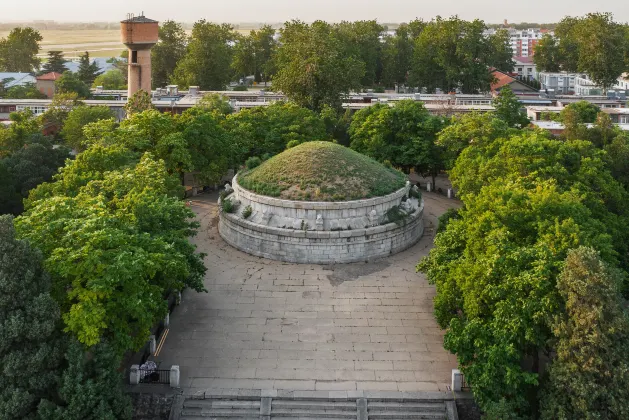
502,79
49,76
524,60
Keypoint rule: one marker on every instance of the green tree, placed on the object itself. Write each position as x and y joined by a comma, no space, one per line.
78,118
362,38
546,56
403,135
25,91
215,103
140,101
528,200
136,232
30,349
112,79
18,51
586,111
500,51
509,109
589,377
58,110
396,57
170,49
208,57
23,127
480,130
70,83
88,71
253,54
36,162
601,44
90,387
55,63
315,68
268,130
455,54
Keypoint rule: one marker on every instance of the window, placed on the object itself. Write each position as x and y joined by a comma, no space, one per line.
134,57
519,69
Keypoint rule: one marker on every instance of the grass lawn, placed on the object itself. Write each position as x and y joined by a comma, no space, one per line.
322,171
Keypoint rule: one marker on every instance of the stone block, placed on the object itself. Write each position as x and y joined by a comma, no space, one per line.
457,380
174,376
134,374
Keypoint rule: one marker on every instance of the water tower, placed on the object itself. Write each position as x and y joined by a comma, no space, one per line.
139,34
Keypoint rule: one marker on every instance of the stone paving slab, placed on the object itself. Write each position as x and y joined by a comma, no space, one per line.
279,326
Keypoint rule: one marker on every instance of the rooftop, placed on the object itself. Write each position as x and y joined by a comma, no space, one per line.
322,171
139,19
49,76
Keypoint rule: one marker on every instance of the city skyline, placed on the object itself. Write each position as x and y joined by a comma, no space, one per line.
238,11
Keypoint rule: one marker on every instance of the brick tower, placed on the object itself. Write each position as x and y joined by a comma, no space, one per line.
139,34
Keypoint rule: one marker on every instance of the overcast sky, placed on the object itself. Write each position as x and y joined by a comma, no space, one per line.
492,11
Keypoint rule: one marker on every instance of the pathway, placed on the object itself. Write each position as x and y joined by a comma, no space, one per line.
270,325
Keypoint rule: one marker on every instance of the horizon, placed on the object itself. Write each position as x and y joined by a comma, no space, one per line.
279,11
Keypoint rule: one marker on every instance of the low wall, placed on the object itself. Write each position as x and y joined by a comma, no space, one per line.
339,215
321,247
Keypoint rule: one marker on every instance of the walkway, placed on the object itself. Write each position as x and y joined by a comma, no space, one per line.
271,325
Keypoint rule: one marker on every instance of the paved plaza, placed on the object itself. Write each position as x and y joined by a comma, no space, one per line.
270,325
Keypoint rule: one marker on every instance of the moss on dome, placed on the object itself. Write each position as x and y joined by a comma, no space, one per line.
321,171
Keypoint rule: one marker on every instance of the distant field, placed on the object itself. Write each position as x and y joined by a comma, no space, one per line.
98,42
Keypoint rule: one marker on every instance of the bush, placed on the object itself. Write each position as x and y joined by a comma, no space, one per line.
253,162
228,206
378,89
247,212
240,88
292,143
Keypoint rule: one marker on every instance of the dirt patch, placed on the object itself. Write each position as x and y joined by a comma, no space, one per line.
353,271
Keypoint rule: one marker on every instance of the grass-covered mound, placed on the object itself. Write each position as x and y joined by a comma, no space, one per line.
321,171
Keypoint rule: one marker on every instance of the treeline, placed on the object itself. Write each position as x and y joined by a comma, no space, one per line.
315,63
532,271
593,44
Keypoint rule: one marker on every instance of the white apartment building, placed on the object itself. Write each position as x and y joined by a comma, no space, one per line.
525,67
523,41
560,83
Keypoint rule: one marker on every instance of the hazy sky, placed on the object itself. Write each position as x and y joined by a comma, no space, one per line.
492,11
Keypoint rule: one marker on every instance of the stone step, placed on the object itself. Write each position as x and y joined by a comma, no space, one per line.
405,406
234,404
319,414
220,413
313,405
398,415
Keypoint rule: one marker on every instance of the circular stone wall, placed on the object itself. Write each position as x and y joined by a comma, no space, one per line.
322,232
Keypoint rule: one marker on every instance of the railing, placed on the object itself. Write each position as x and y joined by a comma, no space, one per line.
155,376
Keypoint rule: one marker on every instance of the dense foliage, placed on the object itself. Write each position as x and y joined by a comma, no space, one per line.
403,136
55,63
18,51
167,53
528,201
593,44
30,349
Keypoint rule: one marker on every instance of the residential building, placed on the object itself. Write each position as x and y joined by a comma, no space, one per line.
523,41
46,83
525,67
503,79
560,83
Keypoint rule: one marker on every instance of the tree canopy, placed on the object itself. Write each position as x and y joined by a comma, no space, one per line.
208,57
167,53
71,83
528,200
314,67
18,51
88,70
403,135
55,63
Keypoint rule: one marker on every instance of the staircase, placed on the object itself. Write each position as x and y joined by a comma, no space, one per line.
314,407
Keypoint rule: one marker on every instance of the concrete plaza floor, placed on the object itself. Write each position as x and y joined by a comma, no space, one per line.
270,325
